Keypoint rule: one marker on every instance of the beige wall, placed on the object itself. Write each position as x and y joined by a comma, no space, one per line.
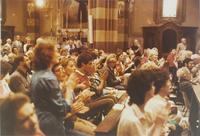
48,18
15,15
143,15
192,13
198,35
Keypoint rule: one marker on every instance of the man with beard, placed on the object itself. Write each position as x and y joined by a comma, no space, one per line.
19,79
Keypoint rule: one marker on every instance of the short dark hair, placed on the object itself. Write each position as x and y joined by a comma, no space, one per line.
161,77
83,58
186,61
139,83
5,68
8,111
44,54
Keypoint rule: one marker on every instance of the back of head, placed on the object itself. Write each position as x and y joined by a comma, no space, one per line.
161,78
44,54
139,83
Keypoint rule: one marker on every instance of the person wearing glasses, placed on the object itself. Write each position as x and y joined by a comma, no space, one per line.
18,117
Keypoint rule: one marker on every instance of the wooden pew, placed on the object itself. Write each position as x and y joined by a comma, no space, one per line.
108,126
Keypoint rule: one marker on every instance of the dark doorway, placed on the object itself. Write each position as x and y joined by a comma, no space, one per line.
169,40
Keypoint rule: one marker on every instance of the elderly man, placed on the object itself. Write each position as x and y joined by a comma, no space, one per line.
182,45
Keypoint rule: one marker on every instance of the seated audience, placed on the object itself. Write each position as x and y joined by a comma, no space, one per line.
73,87
81,78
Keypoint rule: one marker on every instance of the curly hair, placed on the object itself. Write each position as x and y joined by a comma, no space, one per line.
44,54
139,83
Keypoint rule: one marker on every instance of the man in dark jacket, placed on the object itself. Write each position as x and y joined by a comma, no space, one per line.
19,79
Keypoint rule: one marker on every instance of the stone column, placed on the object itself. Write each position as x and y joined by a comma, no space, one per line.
105,24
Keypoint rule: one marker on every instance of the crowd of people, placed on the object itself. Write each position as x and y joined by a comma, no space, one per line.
51,88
